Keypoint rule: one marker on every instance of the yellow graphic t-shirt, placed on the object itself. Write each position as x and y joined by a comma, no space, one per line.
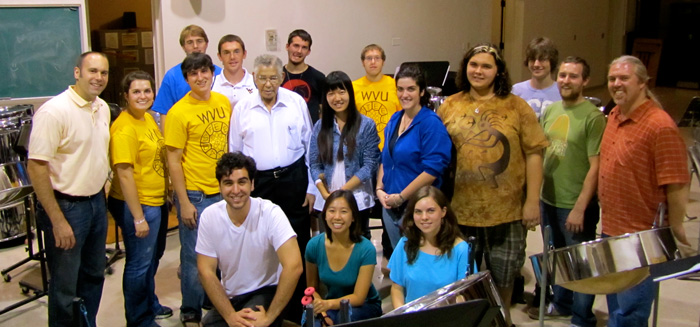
492,138
140,144
200,128
377,101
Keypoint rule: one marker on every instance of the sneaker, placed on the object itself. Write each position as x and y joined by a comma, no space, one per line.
165,312
550,312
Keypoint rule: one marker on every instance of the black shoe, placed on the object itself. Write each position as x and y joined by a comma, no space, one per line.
165,312
189,317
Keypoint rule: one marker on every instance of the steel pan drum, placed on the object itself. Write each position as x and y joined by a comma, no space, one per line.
14,184
476,286
13,222
609,265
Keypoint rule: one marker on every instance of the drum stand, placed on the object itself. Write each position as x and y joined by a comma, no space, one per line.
24,284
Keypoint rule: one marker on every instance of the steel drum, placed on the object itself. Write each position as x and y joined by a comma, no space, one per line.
609,265
13,222
476,286
14,184
436,99
11,120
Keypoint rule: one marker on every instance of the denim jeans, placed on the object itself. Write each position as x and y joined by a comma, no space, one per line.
141,262
191,288
632,307
392,219
579,305
77,272
363,312
262,296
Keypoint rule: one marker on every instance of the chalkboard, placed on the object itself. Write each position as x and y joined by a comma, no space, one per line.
38,49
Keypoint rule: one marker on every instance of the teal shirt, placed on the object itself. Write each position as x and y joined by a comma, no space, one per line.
574,135
342,283
429,272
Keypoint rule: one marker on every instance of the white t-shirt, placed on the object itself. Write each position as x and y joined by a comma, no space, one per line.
247,254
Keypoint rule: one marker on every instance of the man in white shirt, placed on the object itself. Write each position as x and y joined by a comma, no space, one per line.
274,127
68,166
234,81
251,241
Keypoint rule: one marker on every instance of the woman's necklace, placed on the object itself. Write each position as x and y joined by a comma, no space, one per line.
482,101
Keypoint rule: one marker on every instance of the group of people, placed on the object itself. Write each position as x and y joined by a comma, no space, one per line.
249,157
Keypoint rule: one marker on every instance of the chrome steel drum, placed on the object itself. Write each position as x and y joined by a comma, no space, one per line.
476,286
13,222
14,183
11,120
609,265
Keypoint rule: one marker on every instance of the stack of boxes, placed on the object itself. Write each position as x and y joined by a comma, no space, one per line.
127,50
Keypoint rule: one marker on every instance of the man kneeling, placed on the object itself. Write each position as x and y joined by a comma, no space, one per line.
254,246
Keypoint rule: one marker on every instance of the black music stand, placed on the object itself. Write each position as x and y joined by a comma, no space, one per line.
474,313
435,71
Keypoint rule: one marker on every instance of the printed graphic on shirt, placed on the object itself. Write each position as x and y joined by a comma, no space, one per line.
538,105
300,87
214,139
158,156
375,109
557,135
485,149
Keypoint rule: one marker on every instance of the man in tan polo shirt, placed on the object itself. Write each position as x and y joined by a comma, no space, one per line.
68,166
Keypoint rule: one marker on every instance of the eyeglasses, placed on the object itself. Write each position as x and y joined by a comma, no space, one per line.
373,58
264,79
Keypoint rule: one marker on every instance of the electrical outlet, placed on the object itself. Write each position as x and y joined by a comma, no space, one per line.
271,40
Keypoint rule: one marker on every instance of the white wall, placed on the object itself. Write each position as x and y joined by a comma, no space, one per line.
426,29
593,30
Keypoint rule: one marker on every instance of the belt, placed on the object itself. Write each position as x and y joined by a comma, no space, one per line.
207,196
281,171
74,198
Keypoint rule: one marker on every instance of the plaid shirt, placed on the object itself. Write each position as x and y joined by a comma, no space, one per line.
639,154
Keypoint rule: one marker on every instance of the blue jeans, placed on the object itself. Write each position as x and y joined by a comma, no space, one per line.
392,219
633,306
78,272
191,288
363,312
579,305
141,263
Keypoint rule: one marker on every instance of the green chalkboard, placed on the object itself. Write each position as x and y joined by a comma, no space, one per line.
38,49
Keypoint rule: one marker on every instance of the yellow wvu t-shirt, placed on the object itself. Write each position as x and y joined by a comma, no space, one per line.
140,144
200,128
377,101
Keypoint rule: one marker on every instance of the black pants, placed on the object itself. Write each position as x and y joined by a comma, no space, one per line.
287,189
262,296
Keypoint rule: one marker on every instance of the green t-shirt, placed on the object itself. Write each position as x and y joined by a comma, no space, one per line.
574,134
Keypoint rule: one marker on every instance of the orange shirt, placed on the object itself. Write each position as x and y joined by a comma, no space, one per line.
638,156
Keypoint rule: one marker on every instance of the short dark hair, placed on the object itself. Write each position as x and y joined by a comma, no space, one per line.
586,72
304,35
501,83
542,48
230,161
230,38
196,61
355,226
414,72
372,47
192,30
81,58
136,76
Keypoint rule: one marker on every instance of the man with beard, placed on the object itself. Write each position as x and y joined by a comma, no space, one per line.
643,162
574,128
